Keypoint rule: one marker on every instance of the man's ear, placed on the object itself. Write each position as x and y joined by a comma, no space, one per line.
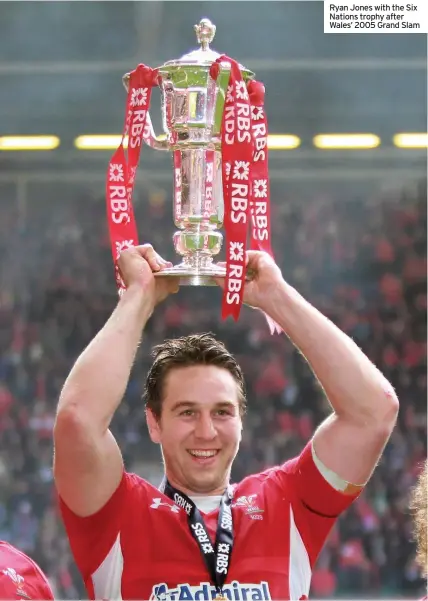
153,424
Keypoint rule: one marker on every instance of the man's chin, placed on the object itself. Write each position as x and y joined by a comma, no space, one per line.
201,480
208,488
207,483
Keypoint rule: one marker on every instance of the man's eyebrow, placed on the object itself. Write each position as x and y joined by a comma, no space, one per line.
182,404
192,404
226,404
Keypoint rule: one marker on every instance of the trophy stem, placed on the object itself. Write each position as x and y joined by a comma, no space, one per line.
195,270
197,244
198,261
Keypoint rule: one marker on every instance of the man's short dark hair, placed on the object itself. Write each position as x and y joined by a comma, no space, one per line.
196,349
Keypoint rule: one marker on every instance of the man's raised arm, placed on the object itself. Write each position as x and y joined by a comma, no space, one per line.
351,440
88,464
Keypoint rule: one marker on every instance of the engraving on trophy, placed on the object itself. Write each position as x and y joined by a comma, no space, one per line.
192,104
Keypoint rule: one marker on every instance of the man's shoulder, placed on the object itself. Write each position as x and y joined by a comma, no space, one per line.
14,562
264,480
277,479
9,552
137,484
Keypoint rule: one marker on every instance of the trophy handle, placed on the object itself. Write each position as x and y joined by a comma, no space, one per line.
149,136
222,83
151,139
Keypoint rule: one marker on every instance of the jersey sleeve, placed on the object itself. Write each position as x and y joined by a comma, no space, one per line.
315,504
34,583
92,537
312,489
44,587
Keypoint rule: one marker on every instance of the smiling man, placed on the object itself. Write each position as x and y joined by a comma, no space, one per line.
199,537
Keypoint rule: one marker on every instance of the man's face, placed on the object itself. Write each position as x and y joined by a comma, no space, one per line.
199,429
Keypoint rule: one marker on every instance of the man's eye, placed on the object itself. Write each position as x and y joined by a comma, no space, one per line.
187,413
223,412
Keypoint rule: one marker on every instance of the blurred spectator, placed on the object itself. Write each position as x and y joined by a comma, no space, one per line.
418,505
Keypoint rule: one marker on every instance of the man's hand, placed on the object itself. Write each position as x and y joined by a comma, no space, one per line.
137,265
265,278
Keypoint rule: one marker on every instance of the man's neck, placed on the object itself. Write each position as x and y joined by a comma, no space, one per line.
206,504
193,494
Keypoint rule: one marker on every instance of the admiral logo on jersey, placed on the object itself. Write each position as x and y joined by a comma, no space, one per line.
234,591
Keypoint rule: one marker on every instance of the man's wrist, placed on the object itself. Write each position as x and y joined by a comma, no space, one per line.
275,296
138,297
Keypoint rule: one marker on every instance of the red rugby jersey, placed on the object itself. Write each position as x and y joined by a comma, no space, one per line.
138,546
20,577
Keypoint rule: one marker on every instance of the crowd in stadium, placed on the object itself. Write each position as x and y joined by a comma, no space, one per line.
360,261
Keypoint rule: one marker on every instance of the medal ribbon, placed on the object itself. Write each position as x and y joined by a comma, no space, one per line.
122,167
217,557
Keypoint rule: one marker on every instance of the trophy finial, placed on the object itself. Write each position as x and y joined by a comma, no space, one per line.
205,33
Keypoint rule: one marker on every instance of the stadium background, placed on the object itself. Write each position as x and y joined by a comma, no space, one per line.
349,231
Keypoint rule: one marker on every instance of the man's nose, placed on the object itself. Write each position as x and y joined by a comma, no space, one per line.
205,427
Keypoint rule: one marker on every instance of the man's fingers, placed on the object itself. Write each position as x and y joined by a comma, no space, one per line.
167,285
251,256
155,261
164,264
148,253
220,282
174,286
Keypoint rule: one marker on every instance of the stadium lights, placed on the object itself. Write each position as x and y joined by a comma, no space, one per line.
99,142
361,141
283,141
29,142
103,142
346,141
410,140
111,142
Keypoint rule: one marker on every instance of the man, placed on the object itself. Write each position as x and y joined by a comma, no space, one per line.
419,508
20,577
198,537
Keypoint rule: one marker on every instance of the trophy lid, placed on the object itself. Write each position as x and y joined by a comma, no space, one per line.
203,56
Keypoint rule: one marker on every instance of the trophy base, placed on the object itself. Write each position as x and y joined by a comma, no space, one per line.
191,276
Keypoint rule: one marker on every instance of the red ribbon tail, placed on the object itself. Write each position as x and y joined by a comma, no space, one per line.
123,166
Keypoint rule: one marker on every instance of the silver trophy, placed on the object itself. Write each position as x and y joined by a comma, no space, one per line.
192,111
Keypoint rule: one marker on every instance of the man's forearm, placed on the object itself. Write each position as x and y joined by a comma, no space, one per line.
353,385
98,380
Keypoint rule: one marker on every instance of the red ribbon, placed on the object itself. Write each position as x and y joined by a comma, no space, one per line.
245,182
178,185
260,188
122,168
237,157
